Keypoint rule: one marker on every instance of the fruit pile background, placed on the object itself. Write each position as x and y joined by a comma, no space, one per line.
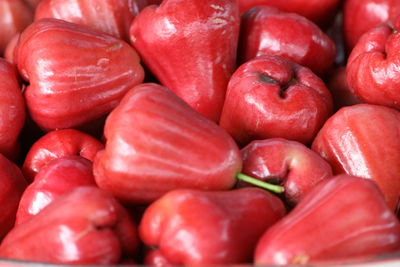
200,132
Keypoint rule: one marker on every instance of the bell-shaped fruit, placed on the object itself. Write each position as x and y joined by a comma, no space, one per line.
363,140
342,218
76,75
190,46
85,226
156,143
202,228
53,180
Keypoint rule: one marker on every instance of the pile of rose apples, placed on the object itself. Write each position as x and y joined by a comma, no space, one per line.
199,132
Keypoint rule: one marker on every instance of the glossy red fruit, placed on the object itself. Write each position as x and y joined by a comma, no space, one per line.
53,180
268,31
372,68
193,227
58,144
346,216
169,144
12,184
319,11
15,15
85,226
359,16
198,40
154,257
109,16
76,74
270,97
289,163
12,109
363,140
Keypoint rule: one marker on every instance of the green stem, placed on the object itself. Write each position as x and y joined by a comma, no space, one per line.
271,187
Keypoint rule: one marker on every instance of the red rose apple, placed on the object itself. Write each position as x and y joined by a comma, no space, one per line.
363,140
202,228
319,11
110,16
85,226
76,75
340,219
268,31
270,96
190,46
285,162
57,144
12,109
373,66
359,16
157,143
53,180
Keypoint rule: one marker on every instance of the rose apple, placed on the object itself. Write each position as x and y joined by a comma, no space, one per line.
363,140
290,163
270,96
319,11
190,46
169,144
15,15
268,31
76,74
154,257
362,15
57,144
12,109
110,16
85,226
12,184
341,218
373,66
194,227
53,180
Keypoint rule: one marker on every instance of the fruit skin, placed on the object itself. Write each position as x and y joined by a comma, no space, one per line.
198,40
12,109
200,228
372,68
15,15
69,91
359,16
270,96
319,11
98,232
363,140
170,145
57,144
109,16
268,31
154,257
12,185
53,180
289,163
346,216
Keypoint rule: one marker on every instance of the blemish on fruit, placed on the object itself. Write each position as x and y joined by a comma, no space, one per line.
114,47
217,7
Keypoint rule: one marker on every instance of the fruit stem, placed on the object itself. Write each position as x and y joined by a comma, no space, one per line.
271,187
